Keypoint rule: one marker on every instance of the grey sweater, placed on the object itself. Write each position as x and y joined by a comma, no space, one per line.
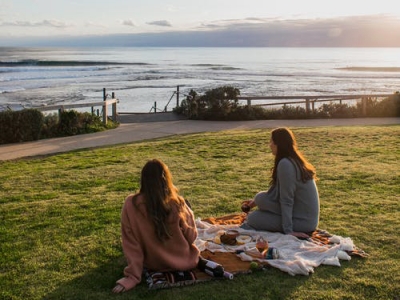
292,202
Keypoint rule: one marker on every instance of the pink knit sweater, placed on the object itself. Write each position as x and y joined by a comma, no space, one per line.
142,249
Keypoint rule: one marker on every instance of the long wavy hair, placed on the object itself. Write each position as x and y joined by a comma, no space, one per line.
160,196
286,144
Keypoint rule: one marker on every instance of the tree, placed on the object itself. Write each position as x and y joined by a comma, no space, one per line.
215,104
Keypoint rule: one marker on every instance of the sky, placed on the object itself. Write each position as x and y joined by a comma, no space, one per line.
227,22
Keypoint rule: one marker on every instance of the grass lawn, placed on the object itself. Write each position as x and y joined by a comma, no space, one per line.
59,215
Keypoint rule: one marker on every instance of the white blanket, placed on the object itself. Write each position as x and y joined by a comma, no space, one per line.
296,257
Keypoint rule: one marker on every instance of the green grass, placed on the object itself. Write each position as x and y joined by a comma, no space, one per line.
59,221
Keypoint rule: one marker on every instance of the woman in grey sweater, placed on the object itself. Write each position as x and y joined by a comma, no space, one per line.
291,205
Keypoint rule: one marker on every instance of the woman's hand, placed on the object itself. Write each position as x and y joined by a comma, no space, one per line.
118,289
247,205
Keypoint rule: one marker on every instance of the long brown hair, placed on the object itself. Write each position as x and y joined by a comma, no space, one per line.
286,144
160,195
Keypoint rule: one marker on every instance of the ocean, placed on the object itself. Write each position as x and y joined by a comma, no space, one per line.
139,77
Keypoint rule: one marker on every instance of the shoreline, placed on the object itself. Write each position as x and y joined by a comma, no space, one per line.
148,76
371,69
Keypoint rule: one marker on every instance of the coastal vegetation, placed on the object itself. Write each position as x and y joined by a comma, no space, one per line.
222,104
60,214
31,124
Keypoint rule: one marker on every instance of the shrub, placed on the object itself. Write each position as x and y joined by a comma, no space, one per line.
72,123
31,124
338,110
20,126
7,127
388,107
50,126
188,105
242,113
219,103
215,104
222,104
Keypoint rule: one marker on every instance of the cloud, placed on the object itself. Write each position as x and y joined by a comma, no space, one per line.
356,31
93,24
361,31
128,23
335,32
44,23
171,8
163,23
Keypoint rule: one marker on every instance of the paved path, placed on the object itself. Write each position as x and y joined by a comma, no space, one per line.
131,132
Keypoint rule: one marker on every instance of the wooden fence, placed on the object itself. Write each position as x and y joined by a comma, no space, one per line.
309,101
104,104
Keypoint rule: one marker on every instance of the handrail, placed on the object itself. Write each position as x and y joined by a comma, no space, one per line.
166,106
104,104
76,105
304,99
310,97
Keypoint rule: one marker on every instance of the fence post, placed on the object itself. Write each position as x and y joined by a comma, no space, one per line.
177,96
105,113
104,107
364,106
114,108
60,112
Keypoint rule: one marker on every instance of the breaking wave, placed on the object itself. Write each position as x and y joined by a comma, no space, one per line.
66,63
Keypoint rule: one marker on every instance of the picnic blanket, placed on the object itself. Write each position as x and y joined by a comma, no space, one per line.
295,256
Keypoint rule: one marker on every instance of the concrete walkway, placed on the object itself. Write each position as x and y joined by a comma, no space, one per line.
131,132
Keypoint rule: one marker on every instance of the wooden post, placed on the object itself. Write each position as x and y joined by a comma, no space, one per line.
177,96
364,106
59,113
104,107
114,108
105,114
104,94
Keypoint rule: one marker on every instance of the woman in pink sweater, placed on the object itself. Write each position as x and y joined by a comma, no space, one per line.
158,228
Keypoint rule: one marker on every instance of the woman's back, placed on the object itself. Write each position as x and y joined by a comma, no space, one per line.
299,200
174,253
158,229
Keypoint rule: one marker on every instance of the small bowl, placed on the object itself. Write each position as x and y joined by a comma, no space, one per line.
243,239
232,233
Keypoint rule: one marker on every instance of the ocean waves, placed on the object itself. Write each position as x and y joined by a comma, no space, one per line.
142,76
372,69
65,63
